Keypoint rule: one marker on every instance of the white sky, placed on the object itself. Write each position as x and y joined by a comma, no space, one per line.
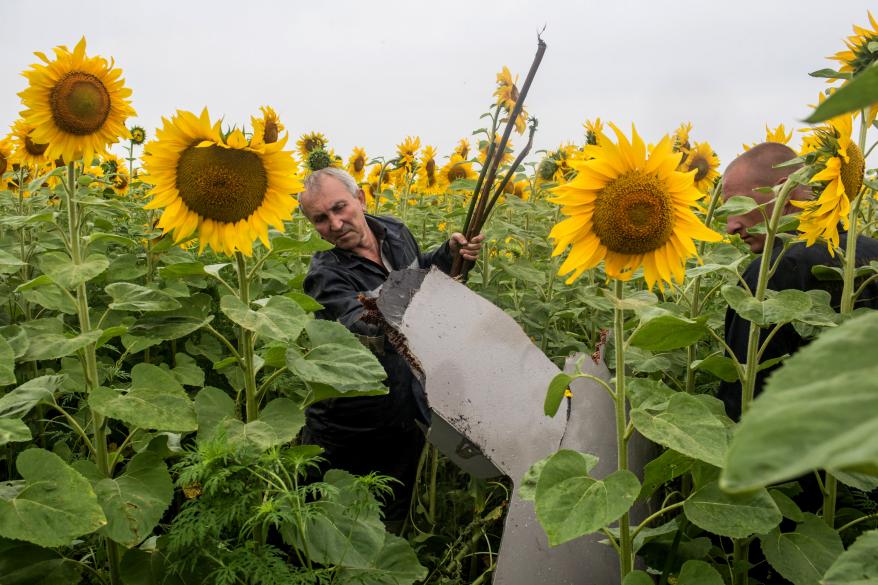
370,73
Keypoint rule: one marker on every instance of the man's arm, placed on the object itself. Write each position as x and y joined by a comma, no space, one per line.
443,256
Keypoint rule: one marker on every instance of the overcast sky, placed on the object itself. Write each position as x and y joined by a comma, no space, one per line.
370,73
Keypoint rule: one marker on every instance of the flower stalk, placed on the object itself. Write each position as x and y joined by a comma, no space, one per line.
626,555
245,344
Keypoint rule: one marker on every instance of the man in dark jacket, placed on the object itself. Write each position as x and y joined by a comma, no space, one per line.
750,171
372,433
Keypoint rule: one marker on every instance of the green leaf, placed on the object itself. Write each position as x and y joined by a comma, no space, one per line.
9,263
13,430
7,363
337,360
858,565
555,393
133,297
54,505
855,95
527,489
285,418
661,470
51,346
638,578
778,307
187,371
142,567
570,503
786,505
308,246
114,238
135,501
817,411
699,573
22,563
109,333
281,319
679,421
666,331
155,401
182,270
829,74
395,564
735,516
212,406
737,205
43,291
60,268
307,303
719,365
16,336
21,400
803,556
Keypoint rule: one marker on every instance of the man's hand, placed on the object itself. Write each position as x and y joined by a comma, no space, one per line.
468,250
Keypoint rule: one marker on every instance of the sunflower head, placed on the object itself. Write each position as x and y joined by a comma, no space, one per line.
117,170
26,151
859,55
357,163
593,130
429,179
629,208
225,188
138,135
457,169
462,148
407,151
309,142
77,104
507,96
267,128
318,159
5,154
704,162
681,137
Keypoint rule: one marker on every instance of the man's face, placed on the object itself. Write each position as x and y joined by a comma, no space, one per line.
338,216
736,183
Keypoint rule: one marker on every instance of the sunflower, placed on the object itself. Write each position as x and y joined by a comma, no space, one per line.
858,56
629,209
593,130
841,177
407,151
556,166
429,180
520,189
77,104
117,170
778,134
457,169
507,95
223,188
681,137
267,129
309,142
26,152
704,161
138,134
357,163
462,148
5,154
483,150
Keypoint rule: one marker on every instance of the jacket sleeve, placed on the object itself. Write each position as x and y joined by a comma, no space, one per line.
338,296
440,258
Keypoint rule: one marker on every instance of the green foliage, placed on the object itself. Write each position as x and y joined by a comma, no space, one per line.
804,555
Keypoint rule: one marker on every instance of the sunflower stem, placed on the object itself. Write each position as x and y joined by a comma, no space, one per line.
102,459
626,556
245,343
748,382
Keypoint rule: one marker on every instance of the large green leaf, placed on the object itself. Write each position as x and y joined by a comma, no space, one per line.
861,92
666,331
155,401
395,564
663,469
803,556
285,418
778,307
60,267
133,297
736,516
51,346
186,371
22,563
135,501
279,421
13,430
44,292
281,319
858,565
54,505
699,573
678,420
10,263
7,363
337,359
569,503
21,400
638,578
817,411
308,246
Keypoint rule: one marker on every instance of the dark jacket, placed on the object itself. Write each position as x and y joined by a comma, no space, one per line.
794,272
334,279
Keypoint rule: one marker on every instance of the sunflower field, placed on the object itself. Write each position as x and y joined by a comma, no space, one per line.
157,349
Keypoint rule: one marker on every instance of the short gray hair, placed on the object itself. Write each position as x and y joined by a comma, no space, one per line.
312,181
